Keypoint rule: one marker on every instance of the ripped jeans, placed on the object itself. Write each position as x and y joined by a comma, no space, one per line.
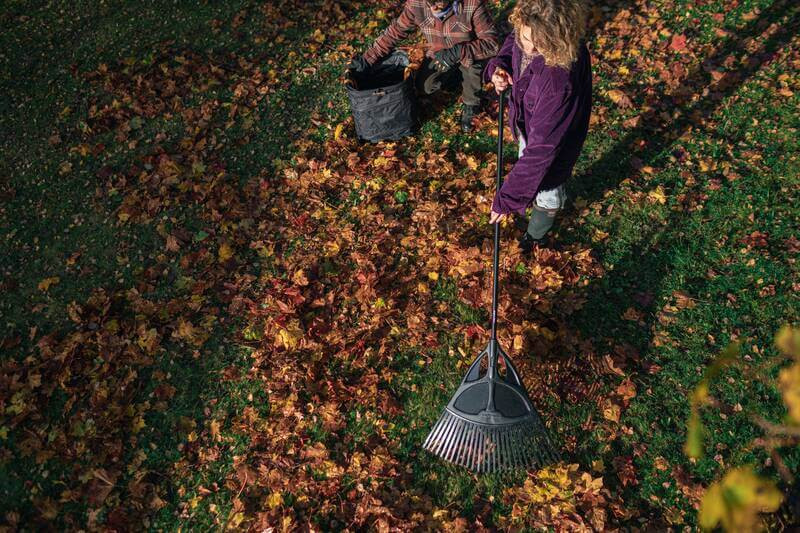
546,205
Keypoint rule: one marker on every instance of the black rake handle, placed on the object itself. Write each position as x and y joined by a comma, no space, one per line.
496,257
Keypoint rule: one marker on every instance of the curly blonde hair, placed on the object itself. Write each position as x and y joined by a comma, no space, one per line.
557,27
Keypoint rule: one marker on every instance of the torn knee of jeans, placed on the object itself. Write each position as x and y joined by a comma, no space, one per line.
549,212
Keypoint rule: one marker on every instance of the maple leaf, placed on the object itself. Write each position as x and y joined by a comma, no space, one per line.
225,252
678,43
657,195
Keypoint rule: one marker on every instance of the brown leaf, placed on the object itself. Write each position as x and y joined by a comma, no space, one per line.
625,470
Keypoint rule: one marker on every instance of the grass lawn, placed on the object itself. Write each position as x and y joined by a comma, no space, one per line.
219,310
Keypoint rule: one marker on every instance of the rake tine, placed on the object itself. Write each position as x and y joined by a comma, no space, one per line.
459,443
452,434
482,451
512,448
433,435
458,433
463,448
473,447
502,456
509,457
467,448
473,439
446,435
458,452
493,466
517,457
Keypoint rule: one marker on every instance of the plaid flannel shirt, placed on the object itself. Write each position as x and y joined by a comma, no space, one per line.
470,25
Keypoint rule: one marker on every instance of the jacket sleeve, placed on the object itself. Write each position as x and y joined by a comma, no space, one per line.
396,32
546,130
502,59
486,43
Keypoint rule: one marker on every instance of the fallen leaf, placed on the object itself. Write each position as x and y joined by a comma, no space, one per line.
46,283
678,43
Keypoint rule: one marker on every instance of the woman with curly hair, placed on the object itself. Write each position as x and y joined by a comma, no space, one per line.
545,63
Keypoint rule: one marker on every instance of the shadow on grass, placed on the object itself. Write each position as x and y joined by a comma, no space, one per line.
639,272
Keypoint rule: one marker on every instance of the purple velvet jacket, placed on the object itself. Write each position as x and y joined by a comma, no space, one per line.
552,106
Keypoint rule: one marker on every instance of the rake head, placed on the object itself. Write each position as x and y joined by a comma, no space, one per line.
490,424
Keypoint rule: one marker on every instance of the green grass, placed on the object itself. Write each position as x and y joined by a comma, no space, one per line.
59,223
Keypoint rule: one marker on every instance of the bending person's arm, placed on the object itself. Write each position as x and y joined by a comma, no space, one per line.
396,32
486,43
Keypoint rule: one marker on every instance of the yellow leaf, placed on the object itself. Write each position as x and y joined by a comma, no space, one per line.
736,501
148,340
45,284
788,341
519,343
712,508
138,424
657,195
599,235
289,336
225,252
433,276
331,248
700,393
235,520
694,436
186,330
274,500
789,384
707,165
338,131
300,278
215,427
623,70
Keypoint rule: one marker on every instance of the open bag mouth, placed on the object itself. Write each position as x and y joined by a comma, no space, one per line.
386,73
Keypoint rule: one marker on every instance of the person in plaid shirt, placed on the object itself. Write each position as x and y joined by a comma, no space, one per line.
460,34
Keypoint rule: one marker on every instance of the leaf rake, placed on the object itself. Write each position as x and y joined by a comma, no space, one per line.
490,424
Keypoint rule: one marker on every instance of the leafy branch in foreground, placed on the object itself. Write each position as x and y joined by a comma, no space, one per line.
737,500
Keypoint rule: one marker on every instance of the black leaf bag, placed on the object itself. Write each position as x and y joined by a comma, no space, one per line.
383,102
